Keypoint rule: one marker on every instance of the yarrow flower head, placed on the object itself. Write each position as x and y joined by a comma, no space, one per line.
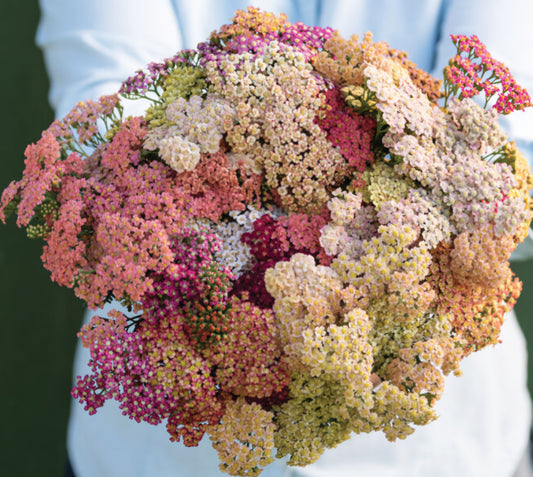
305,233
473,71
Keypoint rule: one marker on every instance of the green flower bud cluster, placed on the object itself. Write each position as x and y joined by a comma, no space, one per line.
183,81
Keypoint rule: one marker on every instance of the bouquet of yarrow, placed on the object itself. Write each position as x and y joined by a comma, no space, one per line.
306,233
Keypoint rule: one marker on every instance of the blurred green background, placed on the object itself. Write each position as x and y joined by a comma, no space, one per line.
39,320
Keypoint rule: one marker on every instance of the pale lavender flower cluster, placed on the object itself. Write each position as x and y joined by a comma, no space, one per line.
403,105
234,252
443,150
469,127
352,223
421,212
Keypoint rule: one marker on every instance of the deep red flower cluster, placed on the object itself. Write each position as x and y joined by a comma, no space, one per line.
352,133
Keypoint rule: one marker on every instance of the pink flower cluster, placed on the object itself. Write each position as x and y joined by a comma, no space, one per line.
165,369
44,167
473,70
350,132
216,188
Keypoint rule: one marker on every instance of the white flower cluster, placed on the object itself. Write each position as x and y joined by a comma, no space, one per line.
351,224
403,105
194,127
233,253
471,128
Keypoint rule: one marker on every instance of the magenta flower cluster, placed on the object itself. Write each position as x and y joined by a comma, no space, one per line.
473,71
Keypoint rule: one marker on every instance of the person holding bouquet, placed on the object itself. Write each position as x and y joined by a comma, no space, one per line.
90,48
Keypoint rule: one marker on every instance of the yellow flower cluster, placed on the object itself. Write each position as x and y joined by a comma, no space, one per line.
383,183
183,81
312,420
398,410
306,296
389,336
330,344
390,260
524,179
385,275
343,353
359,98
244,439
336,387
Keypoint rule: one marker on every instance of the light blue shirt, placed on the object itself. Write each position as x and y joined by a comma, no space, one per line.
91,46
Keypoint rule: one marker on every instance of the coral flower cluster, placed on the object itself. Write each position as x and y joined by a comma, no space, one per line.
306,234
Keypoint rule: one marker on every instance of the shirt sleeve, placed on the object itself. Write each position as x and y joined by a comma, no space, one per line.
91,47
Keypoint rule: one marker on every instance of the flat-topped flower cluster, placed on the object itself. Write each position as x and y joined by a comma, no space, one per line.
308,232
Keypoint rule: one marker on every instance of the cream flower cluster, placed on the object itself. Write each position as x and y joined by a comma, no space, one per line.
193,127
